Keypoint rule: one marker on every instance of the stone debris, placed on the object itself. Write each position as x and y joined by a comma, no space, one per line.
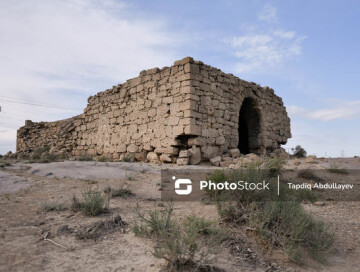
152,157
216,161
235,153
165,158
195,155
182,161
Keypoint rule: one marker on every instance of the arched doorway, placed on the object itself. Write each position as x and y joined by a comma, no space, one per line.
249,126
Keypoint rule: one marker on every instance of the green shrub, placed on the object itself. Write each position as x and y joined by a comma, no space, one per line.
4,164
75,204
218,176
299,152
181,245
102,159
308,174
85,157
336,169
51,157
122,192
127,159
295,230
94,203
274,166
53,206
39,151
280,219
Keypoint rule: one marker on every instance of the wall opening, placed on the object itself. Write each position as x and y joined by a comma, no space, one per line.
249,127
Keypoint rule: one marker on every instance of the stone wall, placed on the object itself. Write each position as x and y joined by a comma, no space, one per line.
59,135
164,111
218,98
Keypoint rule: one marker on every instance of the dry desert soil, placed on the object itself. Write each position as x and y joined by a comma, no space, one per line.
32,239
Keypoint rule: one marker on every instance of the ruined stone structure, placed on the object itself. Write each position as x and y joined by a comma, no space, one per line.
187,105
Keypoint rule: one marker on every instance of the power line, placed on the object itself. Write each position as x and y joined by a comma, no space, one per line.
29,100
37,104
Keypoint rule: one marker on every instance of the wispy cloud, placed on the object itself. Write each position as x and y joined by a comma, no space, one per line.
263,51
268,14
267,47
339,111
53,50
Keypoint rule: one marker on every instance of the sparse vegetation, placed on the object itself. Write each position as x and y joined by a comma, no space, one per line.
51,157
39,151
279,220
129,158
90,181
129,177
98,228
93,204
299,152
102,159
337,169
287,224
85,157
308,174
43,155
122,192
75,204
53,206
273,165
182,245
4,164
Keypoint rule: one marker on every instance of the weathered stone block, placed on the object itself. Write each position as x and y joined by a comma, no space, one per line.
182,161
152,157
216,161
195,155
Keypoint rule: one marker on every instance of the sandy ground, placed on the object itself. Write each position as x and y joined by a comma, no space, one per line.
24,188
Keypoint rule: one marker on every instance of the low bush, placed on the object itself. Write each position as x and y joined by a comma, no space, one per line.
75,204
299,152
39,151
96,229
182,245
308,174
4,164
274,166
94,203
279,220
53,206
122,192
85,157
102,159
286,224
337,169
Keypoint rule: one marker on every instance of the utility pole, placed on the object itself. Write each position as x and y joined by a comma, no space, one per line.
342,153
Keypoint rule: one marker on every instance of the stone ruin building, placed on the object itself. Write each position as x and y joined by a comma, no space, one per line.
189,108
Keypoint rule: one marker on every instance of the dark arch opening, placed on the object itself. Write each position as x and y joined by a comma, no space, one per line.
249,127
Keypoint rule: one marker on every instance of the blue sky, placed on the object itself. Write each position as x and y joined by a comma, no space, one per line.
61,52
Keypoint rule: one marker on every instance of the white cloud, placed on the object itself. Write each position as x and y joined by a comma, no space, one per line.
264,51
339,111
284,34
51,51
268,14
266,47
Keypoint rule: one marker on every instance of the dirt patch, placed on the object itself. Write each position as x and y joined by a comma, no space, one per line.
107,244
